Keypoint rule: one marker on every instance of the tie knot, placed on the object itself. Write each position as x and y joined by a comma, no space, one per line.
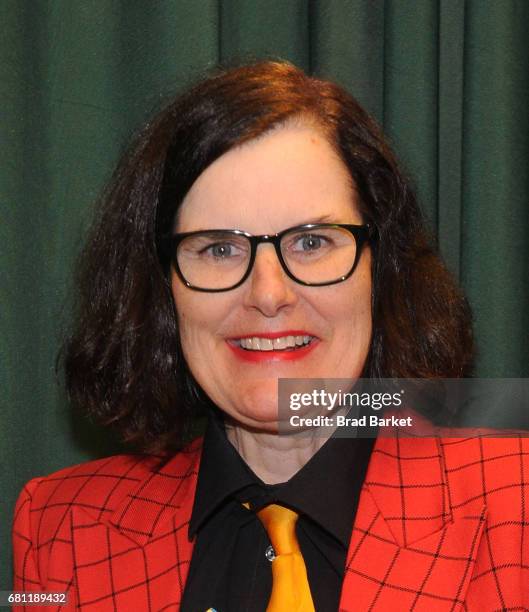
280,524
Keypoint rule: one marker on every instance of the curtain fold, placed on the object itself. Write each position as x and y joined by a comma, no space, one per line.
448,79
495,186
450,122
351,54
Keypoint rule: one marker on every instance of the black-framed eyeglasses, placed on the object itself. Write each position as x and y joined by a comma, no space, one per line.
315,254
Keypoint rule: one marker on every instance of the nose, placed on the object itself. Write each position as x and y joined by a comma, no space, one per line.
269,290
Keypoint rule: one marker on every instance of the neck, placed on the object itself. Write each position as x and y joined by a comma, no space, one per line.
273,458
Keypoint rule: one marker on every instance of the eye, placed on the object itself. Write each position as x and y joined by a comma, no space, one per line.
213,248
306,243
225,250
310,242
220,250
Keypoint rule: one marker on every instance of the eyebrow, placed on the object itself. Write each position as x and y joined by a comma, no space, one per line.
310,221
322,219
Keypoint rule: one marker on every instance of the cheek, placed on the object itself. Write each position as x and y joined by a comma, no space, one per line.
349,312
200,318
189,314
186,330
353,303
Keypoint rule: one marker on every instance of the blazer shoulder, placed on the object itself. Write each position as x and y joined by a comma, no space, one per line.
488,470
98,486
42,525
466,452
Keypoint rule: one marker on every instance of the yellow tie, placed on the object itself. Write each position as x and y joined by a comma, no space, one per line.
290,586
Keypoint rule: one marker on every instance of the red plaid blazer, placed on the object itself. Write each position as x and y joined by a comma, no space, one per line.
442,524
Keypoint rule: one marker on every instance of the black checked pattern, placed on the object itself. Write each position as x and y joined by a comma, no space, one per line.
442,524
445,527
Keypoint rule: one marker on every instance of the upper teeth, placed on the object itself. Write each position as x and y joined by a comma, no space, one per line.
269,344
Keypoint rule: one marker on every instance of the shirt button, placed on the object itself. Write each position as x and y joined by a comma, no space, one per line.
270,553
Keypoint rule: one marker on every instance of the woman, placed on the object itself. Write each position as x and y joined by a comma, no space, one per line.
260,228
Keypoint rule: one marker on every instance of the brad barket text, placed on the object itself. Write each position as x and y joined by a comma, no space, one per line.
342,421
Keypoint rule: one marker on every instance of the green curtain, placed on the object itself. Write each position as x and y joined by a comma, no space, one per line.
448,79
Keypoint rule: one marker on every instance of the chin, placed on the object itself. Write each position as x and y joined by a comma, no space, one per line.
260,415
258,408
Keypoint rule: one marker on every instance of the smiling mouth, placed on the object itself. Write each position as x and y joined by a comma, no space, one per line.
283,343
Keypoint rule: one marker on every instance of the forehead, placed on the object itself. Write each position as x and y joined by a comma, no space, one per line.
287,177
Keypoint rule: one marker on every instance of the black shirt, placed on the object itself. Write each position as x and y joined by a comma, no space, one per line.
229,570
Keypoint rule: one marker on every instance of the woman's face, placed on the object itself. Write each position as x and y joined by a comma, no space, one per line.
288,177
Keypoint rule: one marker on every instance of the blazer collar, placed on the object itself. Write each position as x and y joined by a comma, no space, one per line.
405,478
409,549
164,494
407,481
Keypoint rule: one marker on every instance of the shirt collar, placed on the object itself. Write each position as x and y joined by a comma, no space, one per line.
326,489
221,474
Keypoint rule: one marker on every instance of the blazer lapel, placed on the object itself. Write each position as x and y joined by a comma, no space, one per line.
409,550
138,557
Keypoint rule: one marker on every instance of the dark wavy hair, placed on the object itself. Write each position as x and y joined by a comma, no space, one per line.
123,360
